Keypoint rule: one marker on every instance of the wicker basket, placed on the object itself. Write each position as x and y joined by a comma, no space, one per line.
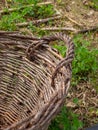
34,80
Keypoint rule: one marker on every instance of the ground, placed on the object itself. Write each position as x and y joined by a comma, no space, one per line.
79,14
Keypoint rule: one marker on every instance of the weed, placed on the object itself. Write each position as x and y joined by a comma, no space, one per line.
66,120
61,49
93,4
9,20
85,61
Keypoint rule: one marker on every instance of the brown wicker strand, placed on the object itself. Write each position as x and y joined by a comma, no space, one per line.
34,80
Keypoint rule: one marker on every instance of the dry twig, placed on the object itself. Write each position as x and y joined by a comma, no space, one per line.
95,28
73,21
6,4
35,22
59,28
75,31
14,9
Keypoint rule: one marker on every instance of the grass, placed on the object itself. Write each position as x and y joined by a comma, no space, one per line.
85,61
93,4
66,120
9,20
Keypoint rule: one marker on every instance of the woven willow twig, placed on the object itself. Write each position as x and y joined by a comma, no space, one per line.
34,80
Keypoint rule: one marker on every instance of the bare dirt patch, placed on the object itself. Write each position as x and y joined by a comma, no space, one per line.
76,10
87,106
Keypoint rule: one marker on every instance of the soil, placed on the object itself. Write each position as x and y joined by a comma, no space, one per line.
80,12
80,15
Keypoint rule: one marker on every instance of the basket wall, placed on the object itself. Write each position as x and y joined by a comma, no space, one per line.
33,80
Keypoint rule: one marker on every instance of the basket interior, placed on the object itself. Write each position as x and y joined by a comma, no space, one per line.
25,85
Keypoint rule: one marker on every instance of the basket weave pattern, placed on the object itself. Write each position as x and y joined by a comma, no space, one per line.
34,80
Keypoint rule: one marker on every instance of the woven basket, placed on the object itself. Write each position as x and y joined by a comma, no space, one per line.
34,80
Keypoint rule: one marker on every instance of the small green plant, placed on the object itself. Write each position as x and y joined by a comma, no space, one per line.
85,61
94,4
9,20
61,49
66,120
